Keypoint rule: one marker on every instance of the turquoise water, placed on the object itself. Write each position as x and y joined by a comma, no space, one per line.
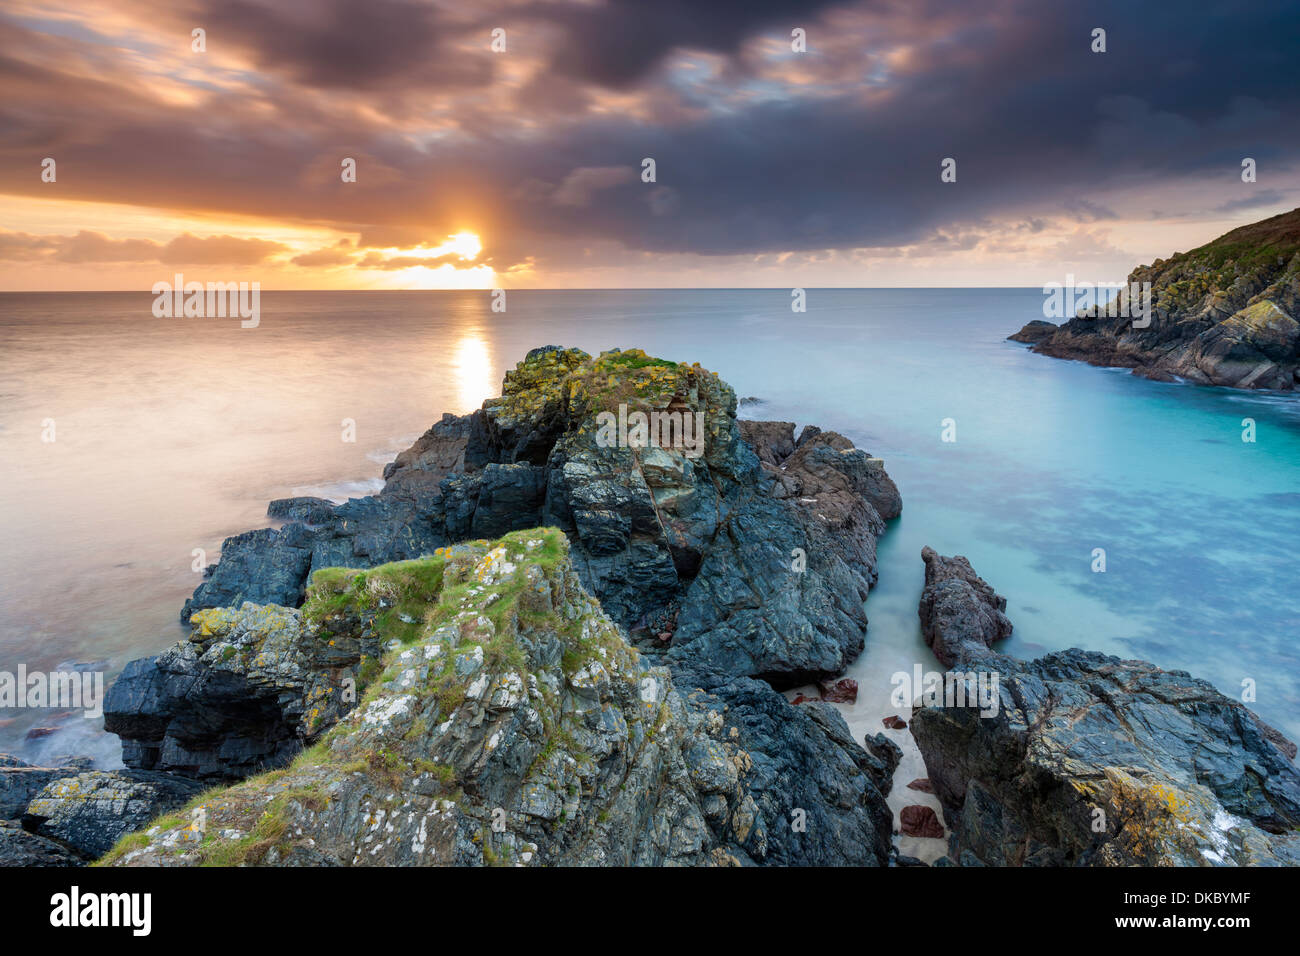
175,433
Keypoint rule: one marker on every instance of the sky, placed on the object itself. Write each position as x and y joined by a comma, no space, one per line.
502,143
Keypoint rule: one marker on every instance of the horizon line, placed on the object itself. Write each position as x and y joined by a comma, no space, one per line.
683,288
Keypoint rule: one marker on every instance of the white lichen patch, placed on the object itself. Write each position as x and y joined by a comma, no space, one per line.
380,713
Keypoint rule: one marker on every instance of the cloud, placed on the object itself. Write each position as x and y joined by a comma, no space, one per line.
219,250
332,256
1256,199
88,246
375,260
96,247
759,151
583,183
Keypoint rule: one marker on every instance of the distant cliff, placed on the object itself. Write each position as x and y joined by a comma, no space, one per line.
1222,314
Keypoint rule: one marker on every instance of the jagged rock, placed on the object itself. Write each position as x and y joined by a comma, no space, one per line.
884,750
712,530
1092,760
514,724
691,544
247,690
271,566
961,616
20,781
1225,313
89,811
20,848
264,566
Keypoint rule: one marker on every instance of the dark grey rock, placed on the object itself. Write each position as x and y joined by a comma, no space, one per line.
20,848
961,616
246,692
693,551
1034,332
1091,760
89,811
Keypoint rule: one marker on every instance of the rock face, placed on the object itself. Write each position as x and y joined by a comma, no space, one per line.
1094,761
735,552
67,815
1223,314
512,723
752,549
89,811
243,693
960,613
20,848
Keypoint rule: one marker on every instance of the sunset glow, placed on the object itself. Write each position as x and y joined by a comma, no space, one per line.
389,145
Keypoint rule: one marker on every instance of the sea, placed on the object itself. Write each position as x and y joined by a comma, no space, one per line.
1147,520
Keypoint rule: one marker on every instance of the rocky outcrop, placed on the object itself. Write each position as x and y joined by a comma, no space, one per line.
88,812
20,848
244,692
1226,313
512,723
1095,761
753,549
745,551
960,613
68,814
1033,332
20,782
728,551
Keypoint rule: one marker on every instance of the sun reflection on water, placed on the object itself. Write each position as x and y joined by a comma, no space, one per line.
473,368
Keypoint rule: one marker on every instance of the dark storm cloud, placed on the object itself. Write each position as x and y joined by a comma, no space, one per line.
617,43
346,44
1040,126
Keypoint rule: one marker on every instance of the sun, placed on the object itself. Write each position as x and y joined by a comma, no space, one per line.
464,244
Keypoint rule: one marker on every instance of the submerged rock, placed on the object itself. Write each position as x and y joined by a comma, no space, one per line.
919,820
842,691
513,724
1092,760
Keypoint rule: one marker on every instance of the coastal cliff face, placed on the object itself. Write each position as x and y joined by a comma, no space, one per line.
1091,760
511,723
699,573
1227,313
